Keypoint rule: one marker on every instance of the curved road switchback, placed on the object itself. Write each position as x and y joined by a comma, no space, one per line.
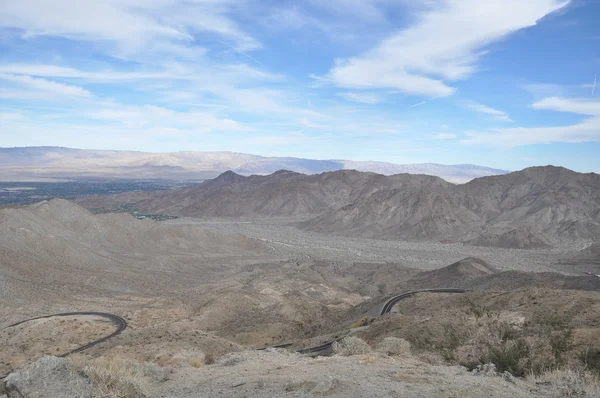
119,322
387,308
396,299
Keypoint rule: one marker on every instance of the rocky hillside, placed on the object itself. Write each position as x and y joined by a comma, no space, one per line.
57,247
283,193
533,208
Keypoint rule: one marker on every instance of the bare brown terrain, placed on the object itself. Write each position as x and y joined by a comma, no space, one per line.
534,208
201,294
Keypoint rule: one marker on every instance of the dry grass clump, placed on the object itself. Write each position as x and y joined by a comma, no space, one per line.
197,362
394,346
364,321
121,378
351,345
570,382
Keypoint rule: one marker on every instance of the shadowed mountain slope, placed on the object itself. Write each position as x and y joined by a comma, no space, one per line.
533,208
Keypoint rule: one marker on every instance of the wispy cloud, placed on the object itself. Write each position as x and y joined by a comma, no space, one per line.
587,130
132,25
417,104
494,113
148,116
365,98
444,44
46,85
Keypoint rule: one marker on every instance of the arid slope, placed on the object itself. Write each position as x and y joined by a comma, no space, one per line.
533,208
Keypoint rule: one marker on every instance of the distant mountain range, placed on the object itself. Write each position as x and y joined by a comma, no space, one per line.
40,163
538,207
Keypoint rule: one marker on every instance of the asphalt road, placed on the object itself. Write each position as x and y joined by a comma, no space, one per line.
396,299
387,307
119,322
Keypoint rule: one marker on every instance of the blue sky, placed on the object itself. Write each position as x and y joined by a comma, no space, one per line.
507,84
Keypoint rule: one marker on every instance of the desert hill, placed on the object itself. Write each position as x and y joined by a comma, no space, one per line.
283,193
457,274
534,208
475,273
30,163
531,208
57,247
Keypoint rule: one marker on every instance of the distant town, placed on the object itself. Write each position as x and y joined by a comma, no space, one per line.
22,193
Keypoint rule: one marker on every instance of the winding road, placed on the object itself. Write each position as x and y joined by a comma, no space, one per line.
387,307
119,322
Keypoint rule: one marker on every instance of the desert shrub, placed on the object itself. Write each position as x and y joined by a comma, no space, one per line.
442,338
553,320
542,345
476,308
505,331
591,359
451,340
351,345
116,378
561,342
510,356
209,358
394,346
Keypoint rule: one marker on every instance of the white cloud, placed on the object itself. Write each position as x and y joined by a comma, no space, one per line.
494,113
46,85
444,136
149,116
365,98
130,24
203,72
417,104
444,44
581,107
587,130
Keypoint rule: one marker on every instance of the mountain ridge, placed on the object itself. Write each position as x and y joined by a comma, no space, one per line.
535,208
60,162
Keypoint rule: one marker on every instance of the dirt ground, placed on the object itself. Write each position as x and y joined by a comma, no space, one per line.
186,303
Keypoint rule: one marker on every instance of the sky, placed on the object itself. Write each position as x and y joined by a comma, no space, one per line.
501,83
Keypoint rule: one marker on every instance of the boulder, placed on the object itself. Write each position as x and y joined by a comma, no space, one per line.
49,377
